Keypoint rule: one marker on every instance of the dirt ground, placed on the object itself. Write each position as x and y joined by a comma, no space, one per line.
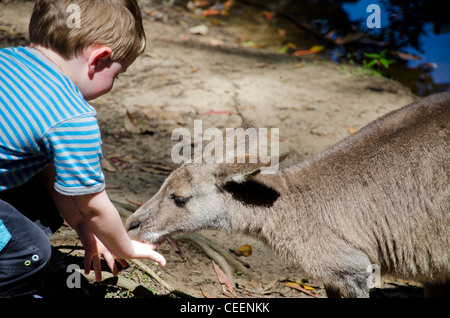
215,78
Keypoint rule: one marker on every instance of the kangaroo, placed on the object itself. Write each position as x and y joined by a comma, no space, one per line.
379,197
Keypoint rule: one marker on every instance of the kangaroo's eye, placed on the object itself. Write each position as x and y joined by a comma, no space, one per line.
179,201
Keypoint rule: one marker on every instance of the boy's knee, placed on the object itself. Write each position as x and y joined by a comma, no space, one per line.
40,253
22,257
23,261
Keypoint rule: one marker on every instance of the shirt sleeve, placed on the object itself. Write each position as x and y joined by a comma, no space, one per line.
76,149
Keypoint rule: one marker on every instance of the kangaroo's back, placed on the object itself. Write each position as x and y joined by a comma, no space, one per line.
388,187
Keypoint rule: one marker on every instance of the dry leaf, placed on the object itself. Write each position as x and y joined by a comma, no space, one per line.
245,250
223,278
313,50
127,158
351,130
175,246
205,294
107,166
269,15
131,123
228,4
317,48
303,52
209,12
300,288
307,287
201,3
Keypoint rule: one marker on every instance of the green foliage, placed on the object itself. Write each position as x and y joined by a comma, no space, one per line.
373,66
377,60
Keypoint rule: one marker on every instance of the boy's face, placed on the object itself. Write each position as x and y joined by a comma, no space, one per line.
93,71
102,79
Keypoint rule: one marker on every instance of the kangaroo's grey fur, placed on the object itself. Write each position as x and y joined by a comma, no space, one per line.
381,196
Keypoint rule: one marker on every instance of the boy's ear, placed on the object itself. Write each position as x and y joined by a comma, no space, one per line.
96,55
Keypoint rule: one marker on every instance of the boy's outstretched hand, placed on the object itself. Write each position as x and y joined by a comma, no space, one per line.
147,250
95,251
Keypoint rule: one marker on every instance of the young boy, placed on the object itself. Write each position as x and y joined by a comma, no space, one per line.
50,145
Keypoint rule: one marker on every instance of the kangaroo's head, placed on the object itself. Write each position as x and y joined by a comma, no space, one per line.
193,197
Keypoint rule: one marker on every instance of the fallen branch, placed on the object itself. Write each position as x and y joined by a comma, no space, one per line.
122,282
155,276
152,274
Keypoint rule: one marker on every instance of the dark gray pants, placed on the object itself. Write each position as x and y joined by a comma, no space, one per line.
31,218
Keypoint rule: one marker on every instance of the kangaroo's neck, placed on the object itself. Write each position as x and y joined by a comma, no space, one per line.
259,206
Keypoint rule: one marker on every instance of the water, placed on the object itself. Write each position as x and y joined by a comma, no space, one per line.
414,34
431,43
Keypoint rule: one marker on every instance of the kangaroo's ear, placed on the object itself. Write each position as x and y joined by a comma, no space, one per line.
243,168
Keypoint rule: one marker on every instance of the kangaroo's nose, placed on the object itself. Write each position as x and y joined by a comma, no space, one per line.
134,225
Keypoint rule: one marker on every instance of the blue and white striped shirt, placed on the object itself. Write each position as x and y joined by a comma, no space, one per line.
44,118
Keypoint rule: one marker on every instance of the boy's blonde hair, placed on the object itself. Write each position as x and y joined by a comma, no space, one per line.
113,23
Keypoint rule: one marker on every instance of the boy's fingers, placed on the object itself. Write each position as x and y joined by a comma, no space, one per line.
109,259
157,258
87,265
122,262
97,268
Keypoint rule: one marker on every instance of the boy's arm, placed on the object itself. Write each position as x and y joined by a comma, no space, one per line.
102,218
94,249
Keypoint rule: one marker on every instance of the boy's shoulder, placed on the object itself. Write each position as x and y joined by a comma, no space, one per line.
39,86
27,61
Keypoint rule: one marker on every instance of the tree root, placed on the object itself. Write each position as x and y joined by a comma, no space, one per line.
222,257
124,209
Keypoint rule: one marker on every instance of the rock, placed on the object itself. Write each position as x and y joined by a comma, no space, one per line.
200,29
